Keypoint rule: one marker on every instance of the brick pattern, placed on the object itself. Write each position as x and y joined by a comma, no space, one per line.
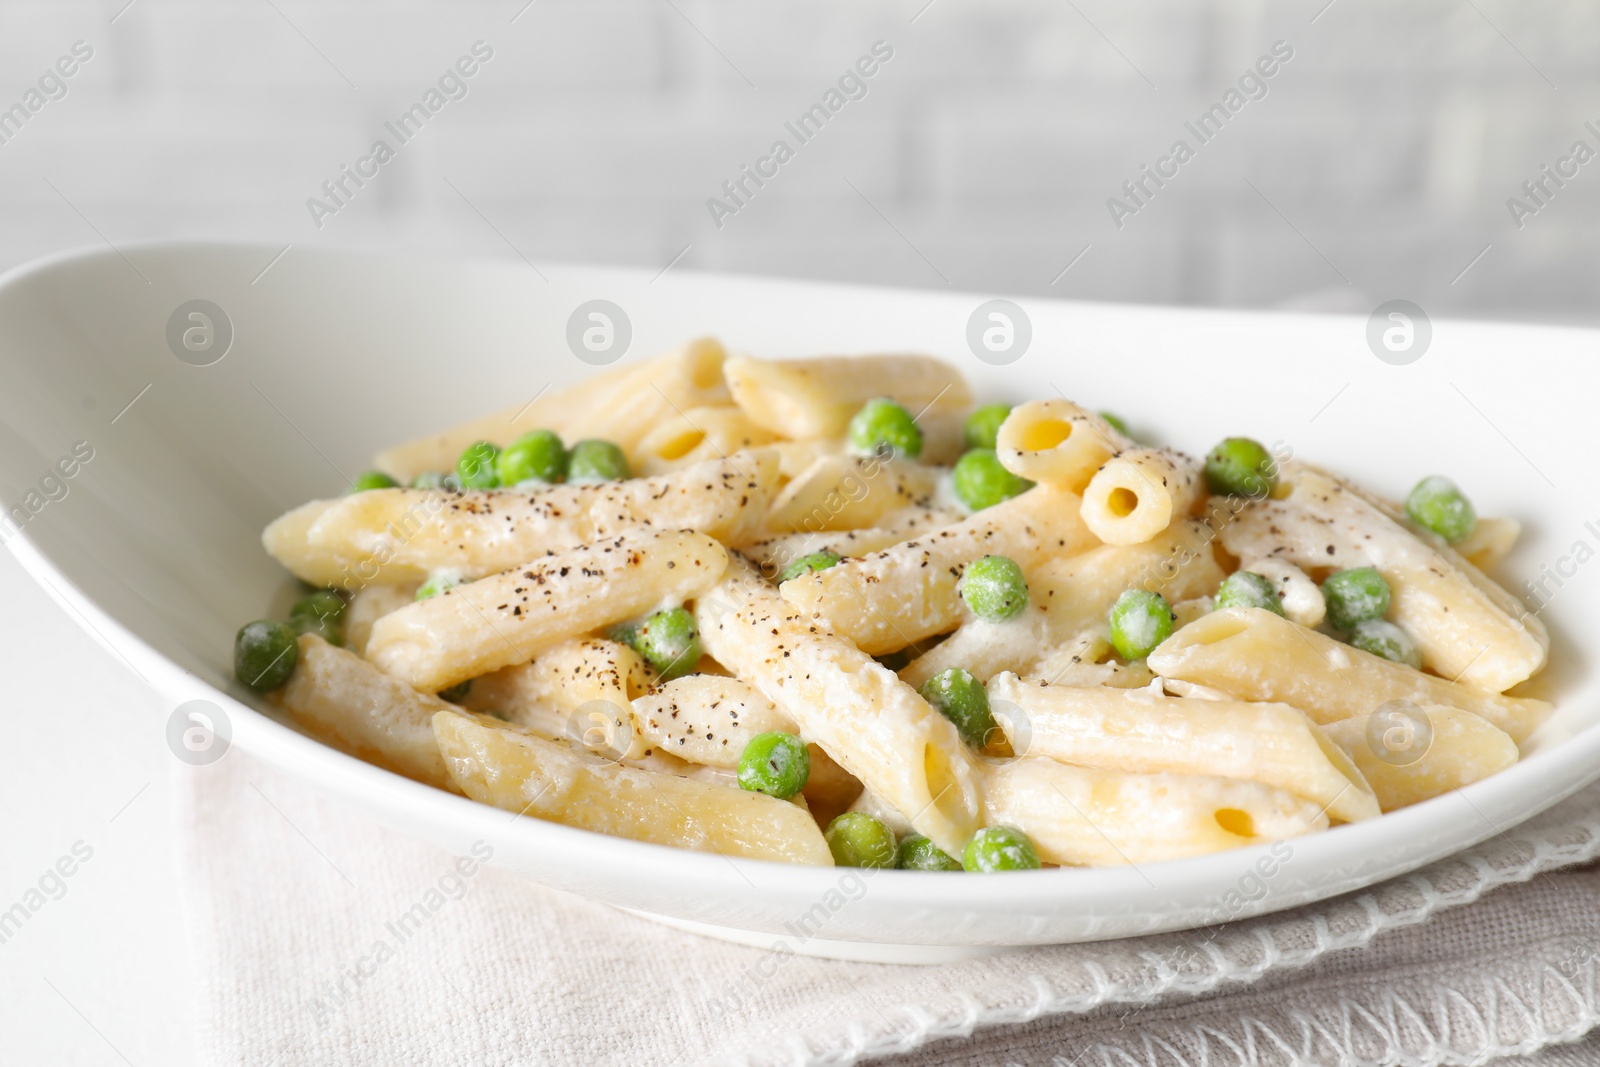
981,155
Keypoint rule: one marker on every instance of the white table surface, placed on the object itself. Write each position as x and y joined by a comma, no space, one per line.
101,975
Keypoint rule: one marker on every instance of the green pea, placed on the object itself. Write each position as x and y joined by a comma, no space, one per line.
1240,466
538,456
774,763
457,691
1438,504
994,588
1383,638
1000,848
979,481
597,461
1354,596
961,698
320,613
1247,589
1116,423
857,839
438,582
437,480
264,654
476,467
811,561
983,426
670,642
917,853
882,424
625,633
1140,620
373,480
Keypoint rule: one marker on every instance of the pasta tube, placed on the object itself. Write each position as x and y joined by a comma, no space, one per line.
1466,626
802,398
1141,731
1095,818
706,719
620,405
393,536
494,622
871,723
358,709
848,492
899,596
774,553
367,606
1459,748
530,776
1490,541
1056,442
1252,654
696,436
1138,493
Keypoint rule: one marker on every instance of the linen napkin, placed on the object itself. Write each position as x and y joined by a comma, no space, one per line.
310,949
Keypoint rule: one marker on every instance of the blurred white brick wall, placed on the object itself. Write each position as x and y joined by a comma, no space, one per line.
983,153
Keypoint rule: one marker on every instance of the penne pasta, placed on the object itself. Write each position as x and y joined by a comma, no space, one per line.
1490,541
394,536
1439,749
1057,443
358,709
1252,654
1467,627
912,585
1140,492
842,492
705,719
620,405
1143,731
1083,817
1301,597
871,723
368,605
494,622
696,436
528,775
1086,660
803,398
772,554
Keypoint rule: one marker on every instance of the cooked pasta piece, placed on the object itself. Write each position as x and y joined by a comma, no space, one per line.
531,776
1252,654
697,435
358,709
868,720
774,553
516,694
1467,627
1301,597
1140,492
706,719
801,398
1083,817
508,618
848,492
1454,748
620,405
1085,660
1144,731
796,456
369,604
394,536
895,598
1056,442
1490,541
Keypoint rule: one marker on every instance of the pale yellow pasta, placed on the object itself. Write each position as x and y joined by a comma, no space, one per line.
1301,597
1084,817
868,720
982,648
1466,626
697,435
357,708
1144,731
1459,748
531,776
584,684
843,492
796,456
706,719
1253,654
1085,660
619,405
1140,492
516,694
395,536
369,604
1056,442
497,621
1490,541
894,598
772,554
802,398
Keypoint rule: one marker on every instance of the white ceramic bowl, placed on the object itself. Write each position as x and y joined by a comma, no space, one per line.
155,545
